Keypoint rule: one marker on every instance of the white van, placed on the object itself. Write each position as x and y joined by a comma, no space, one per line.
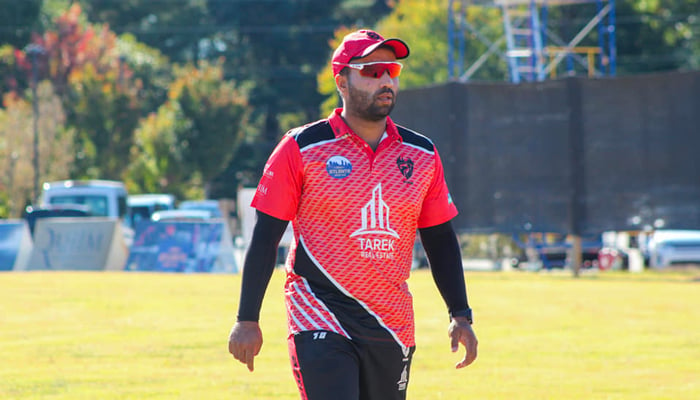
103,198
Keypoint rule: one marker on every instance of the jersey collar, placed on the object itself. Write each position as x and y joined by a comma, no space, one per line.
340,128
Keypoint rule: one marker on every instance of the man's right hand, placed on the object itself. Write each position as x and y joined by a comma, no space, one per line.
245,342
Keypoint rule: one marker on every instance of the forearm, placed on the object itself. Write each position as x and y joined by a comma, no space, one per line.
259,265
445,257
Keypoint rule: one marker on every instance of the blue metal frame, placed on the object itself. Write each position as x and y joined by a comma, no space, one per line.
526,38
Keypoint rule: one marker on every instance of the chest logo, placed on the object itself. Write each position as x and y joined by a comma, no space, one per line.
338,167
405,167
375,216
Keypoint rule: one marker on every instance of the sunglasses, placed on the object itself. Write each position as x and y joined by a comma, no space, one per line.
376,69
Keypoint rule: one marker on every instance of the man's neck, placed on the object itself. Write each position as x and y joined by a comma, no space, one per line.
369,131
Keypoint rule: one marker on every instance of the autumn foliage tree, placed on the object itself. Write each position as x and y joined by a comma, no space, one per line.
192,137
97,91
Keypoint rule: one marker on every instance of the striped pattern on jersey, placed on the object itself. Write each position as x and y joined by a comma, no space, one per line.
355,213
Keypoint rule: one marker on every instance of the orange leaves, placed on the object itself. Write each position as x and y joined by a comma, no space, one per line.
73,46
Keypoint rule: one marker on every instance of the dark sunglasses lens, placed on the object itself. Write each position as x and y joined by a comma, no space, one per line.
377,70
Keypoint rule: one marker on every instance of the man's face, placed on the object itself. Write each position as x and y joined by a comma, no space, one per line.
368,97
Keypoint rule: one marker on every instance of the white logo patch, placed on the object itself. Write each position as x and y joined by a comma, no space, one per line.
375,221
375,216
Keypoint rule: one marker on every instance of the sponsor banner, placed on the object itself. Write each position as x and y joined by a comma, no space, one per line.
15,244
182,246
85,243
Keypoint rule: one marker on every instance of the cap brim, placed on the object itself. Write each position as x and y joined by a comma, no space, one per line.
399,46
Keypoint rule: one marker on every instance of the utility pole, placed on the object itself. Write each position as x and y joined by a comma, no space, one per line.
34,50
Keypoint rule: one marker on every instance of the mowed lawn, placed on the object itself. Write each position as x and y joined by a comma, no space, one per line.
119,335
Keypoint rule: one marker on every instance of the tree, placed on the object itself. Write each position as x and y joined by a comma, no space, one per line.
97,90
105,113
194,135
158,160
19,18
150,71
17,153
284,45
218,110
69,47
175,27
658,35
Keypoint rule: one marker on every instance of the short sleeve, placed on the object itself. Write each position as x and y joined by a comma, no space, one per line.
437,205
279,189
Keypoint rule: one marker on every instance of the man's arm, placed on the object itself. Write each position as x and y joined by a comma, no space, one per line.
245,340
445,257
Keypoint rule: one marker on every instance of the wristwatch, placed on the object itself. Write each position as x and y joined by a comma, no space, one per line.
462,313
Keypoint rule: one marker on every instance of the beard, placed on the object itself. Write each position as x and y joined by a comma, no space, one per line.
364,104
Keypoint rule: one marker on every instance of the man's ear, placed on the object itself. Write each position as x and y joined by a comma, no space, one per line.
341,82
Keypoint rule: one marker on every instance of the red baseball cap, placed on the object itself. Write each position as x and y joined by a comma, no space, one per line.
361,43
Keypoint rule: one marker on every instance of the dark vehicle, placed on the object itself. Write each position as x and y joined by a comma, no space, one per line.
553,250
33,214
557,255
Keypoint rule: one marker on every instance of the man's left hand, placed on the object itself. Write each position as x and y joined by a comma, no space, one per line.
460,331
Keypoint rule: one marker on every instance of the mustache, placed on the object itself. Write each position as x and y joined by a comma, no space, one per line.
386,90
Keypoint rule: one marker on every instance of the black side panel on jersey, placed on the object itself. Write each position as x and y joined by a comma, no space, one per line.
319,131
354,318
415,139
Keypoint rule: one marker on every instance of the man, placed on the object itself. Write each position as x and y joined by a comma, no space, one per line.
356,188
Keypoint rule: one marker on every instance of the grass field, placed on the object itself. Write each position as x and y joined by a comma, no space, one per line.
112,335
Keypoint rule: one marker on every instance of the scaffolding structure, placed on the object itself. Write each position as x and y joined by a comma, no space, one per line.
533,51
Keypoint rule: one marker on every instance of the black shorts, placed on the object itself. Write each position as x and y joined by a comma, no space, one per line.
329,366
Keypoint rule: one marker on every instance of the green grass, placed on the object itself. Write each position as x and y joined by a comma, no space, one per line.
112,335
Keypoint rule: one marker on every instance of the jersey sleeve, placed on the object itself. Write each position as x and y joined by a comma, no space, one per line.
437,206
280,186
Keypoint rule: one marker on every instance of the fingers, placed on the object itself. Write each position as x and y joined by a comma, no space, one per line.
460,333
244,354
469,358
250,361
245,343
462,363
470,345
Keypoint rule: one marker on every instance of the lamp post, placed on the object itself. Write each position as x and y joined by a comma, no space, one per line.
34,50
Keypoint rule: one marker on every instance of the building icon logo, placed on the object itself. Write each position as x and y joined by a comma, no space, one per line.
375,216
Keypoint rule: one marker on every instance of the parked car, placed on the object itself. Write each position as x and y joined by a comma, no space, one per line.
668,247
553,250
142,206
557,255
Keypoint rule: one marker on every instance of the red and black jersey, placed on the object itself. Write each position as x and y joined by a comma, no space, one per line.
354,213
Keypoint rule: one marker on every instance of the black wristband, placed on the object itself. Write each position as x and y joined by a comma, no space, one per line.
467,313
